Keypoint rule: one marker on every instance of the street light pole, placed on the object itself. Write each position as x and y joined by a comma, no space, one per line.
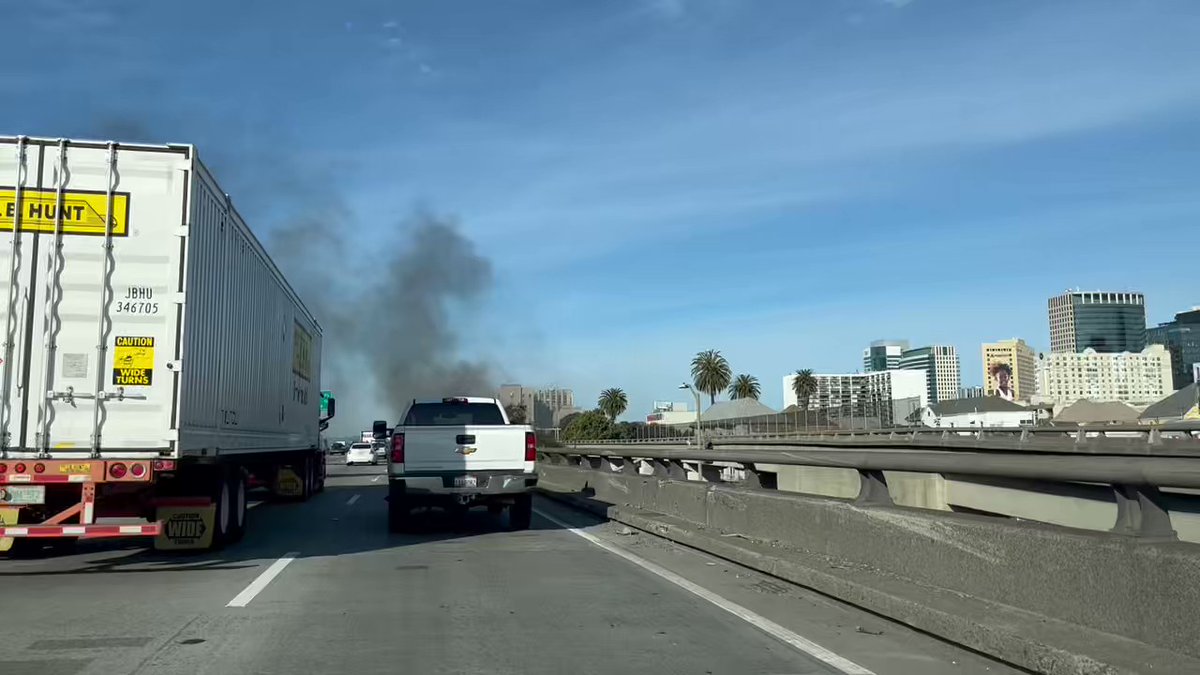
699,439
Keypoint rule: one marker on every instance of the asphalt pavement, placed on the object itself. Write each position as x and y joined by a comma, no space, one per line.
322,587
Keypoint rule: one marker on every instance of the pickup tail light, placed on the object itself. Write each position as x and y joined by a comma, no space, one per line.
398,449
530,446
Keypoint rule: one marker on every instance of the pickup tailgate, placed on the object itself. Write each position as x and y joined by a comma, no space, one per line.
464,448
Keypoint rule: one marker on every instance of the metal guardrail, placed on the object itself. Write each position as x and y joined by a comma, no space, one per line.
1182,439
1135,479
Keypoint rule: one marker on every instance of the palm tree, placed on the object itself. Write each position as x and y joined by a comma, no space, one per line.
711,373
613,402
745,386
804,385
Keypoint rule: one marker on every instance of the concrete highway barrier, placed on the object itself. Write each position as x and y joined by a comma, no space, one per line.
1047,598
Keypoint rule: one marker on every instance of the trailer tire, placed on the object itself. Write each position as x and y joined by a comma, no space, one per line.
237,516
310,478
322,469
222,511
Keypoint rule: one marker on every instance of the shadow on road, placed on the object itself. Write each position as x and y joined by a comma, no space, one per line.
342,520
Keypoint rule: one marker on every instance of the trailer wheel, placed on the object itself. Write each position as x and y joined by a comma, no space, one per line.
237,516
322,471
310,478
223,506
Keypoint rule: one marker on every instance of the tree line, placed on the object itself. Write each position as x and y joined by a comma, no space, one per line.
711,374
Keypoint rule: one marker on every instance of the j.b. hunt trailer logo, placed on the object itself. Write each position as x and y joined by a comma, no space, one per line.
133,361
82,211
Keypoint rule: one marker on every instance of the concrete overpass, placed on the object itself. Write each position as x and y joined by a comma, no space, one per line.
666,560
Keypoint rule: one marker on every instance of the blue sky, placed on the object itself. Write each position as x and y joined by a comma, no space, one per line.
781,180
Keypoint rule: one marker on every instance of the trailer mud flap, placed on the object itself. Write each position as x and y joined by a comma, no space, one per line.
288,483
185,526
7,517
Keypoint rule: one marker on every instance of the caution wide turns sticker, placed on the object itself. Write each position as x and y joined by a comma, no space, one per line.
82,211
133,361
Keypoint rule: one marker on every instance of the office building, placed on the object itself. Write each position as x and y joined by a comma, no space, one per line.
1181,337
883,355
1009,370
543,408
940,363
1128,377
551,405
885,398
970,392
1103,321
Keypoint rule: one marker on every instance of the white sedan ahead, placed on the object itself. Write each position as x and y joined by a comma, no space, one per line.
361,453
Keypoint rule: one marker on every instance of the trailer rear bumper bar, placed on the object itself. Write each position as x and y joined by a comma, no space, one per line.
81,531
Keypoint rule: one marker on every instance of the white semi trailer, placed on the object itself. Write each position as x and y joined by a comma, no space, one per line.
154,360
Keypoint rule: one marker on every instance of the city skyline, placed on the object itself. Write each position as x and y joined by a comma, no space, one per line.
784,182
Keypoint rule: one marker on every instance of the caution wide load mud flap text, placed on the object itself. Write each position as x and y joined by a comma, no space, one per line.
186,524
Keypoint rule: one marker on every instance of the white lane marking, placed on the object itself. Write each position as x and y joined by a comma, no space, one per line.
254,505
248,593
376,479
350,502
766,625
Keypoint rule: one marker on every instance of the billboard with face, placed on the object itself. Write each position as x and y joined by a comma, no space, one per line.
1003,374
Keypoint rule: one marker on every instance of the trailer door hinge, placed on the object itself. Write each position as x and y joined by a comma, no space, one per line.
175,366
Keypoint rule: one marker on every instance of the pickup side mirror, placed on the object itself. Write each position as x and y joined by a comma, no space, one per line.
380,429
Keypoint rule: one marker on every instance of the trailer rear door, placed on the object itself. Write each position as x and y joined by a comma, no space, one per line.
90,295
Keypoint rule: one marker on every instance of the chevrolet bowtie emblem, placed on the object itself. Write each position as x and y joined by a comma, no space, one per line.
465,450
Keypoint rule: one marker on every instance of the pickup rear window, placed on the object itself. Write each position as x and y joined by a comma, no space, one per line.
453,414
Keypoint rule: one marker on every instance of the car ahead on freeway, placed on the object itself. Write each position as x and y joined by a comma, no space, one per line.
361,453
458,453
338,448
380,450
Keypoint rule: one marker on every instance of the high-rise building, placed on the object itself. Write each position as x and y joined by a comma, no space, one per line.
1129,377
1106,322
883,355
940,363
1009,370
888,396
1181,337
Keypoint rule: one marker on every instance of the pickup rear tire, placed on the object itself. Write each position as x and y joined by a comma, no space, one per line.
399,511
520,514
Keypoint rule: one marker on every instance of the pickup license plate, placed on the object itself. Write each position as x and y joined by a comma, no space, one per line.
22,494
465,481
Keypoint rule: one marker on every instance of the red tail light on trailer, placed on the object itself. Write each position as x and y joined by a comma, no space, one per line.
117,470
398,449
530,446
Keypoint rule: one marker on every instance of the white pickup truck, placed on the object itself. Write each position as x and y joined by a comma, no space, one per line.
457,453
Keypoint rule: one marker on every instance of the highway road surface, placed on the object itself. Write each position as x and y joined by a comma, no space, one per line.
322,587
